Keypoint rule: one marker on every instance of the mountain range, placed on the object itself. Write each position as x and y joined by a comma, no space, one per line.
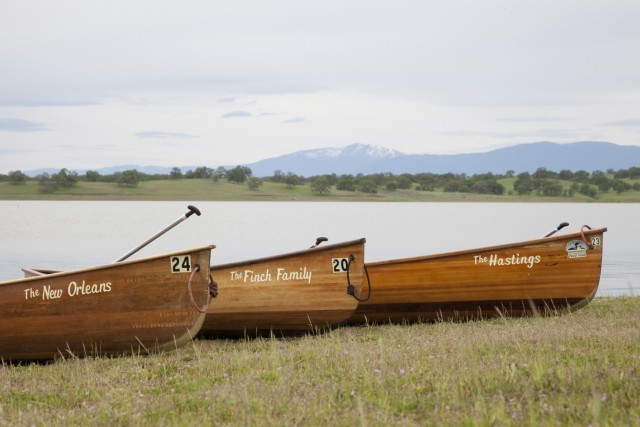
367,159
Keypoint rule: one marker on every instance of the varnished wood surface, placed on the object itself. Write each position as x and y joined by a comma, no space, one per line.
478,282
256,297
137,306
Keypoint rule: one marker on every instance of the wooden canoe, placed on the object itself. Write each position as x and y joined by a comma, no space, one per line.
294,293
145,305
559,272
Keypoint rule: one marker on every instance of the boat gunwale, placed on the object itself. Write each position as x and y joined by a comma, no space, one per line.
487,248
325,248
105,266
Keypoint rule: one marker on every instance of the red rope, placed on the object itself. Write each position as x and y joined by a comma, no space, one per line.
202,309
584,238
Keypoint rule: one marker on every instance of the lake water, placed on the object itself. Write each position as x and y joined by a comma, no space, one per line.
67,235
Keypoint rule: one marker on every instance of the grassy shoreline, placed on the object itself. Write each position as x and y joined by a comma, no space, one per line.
207,190
581,368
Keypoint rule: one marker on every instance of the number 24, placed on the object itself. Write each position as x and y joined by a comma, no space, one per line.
181,264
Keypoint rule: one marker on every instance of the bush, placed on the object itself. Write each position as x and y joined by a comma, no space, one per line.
254,183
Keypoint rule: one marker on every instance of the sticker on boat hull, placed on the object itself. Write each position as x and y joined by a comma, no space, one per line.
576,249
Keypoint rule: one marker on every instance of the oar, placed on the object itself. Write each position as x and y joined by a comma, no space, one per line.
192,210
558,228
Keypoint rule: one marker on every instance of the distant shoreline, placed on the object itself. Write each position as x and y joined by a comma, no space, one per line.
207,190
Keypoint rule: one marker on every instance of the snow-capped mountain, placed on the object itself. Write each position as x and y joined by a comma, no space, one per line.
361,151
352,159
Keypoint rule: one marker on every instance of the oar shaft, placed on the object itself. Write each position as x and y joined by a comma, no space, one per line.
192,210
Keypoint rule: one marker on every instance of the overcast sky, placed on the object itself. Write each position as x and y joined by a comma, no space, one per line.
86,84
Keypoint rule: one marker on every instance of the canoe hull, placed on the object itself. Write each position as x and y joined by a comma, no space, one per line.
560,272
288,294
136,307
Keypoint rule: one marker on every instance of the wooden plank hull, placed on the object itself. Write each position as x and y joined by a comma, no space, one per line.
293,293
138,306
561,272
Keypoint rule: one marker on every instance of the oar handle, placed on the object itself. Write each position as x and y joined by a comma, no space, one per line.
558,228
318,241
192,210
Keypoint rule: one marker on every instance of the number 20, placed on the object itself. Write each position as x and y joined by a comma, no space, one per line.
181,264
340,265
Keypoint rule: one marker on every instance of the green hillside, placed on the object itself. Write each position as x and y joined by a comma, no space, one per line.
209,190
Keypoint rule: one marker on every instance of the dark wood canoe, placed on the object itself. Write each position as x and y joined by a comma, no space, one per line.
146,305
559,272
293,293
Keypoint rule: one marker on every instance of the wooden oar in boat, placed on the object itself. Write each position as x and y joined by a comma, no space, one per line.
146,305
192,210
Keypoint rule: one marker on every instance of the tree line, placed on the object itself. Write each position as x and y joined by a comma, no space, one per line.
542,182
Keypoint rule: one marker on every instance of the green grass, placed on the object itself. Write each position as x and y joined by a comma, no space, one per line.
581,368
207,190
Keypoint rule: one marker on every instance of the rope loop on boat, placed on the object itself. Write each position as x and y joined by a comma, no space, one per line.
199,309
350,289
584,238
213,287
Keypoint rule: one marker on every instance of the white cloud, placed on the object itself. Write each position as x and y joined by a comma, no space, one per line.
630,123
232,114
163,135
18,125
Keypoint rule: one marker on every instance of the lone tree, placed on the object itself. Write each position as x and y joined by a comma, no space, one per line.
176,173
46,183
128,178
291,180
321,186
239,174
17,177
65,178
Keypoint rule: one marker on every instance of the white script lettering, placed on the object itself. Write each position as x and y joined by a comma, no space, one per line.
74,289
251,276
494,260
48,293
301,274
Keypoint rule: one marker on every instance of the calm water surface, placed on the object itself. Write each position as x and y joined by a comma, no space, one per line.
66,235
